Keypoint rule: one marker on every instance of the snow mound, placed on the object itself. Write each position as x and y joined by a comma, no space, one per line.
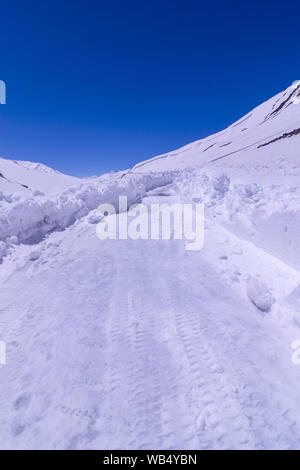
30,217
259,294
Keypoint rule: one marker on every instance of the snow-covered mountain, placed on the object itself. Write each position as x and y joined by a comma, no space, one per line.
139,343
263,134
28,177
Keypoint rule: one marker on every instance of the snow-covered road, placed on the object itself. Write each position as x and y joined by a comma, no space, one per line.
141,344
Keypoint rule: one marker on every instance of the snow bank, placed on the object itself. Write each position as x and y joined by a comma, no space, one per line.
29,218
261,206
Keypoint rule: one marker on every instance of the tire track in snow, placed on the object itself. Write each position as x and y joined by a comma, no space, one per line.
143,371
211,401
256,404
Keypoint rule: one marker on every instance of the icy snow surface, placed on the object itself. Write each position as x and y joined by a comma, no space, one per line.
139,343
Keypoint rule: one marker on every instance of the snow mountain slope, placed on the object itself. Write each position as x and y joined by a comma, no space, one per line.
263,134
27,177
141,344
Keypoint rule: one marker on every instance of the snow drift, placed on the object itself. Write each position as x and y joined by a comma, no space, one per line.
26,218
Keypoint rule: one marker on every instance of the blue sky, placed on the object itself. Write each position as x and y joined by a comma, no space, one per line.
100,85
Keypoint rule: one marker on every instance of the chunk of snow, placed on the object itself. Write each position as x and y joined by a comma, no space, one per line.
95,218
252,190
221,186
13,240
259,294
34,255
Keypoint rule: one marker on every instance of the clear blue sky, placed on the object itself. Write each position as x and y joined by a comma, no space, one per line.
100,85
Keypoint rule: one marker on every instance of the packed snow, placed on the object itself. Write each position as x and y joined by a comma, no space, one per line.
141,344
